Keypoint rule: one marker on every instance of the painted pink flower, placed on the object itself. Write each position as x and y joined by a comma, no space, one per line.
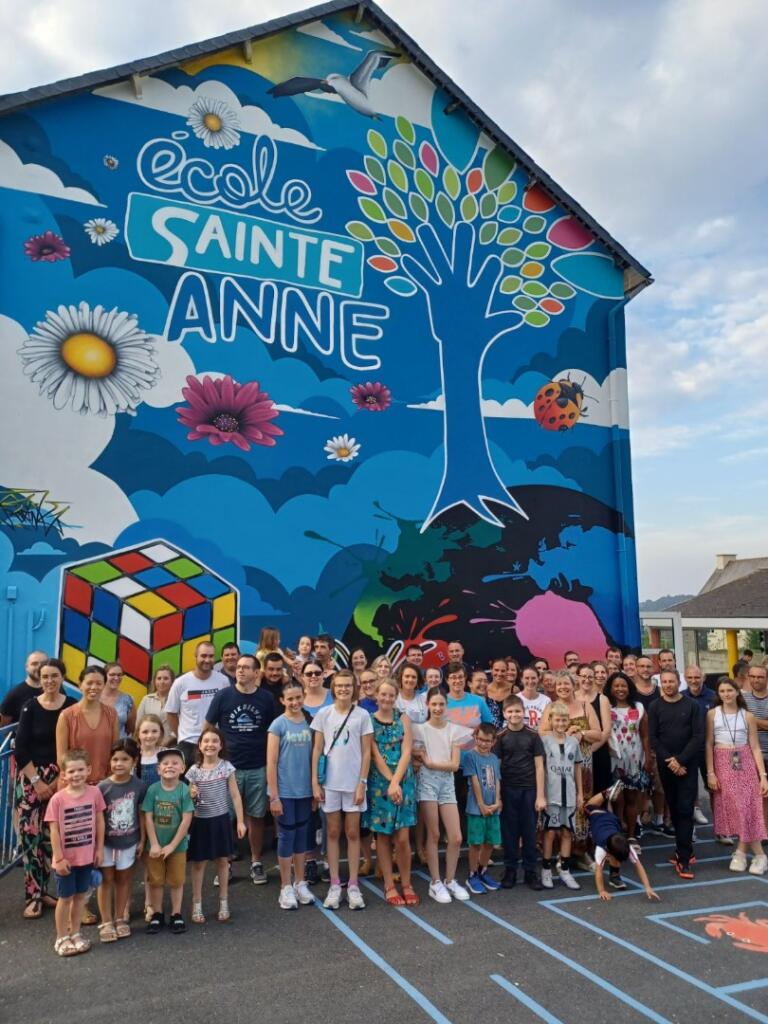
373,397
47,248
223,410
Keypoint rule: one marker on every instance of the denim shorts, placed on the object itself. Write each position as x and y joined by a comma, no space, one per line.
435,786
77,881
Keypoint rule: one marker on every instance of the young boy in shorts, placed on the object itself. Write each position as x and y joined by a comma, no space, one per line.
75,815
612,847
483,770
168,810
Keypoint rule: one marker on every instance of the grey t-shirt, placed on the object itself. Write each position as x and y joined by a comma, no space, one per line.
123,800
560,773
759,708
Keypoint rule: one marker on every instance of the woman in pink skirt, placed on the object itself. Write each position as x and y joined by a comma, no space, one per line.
736,776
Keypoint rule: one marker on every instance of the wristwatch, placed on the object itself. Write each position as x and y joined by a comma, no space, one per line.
363,782
35,779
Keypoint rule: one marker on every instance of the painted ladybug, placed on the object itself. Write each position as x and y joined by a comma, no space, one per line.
558,404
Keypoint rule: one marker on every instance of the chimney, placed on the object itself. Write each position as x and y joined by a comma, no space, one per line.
722,560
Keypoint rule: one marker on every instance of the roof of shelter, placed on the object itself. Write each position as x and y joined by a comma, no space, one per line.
636,276
745,597
736,569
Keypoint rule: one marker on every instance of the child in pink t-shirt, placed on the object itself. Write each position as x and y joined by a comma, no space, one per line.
75,815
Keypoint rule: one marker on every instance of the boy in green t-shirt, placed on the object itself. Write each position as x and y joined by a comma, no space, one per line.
168,810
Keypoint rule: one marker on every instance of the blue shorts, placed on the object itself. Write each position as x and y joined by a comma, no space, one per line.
602,825
435,786
77,881
295,827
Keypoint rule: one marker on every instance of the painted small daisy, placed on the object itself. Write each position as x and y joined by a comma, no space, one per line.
215,123
342,448
111,162
100,230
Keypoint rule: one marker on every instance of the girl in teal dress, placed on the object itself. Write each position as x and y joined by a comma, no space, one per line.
392,793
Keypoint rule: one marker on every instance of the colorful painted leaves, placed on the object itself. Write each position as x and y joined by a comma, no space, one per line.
406,182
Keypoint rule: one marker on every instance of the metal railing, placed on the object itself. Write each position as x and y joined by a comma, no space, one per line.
9,850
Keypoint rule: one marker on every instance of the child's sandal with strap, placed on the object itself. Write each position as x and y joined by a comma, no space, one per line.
198,917
223,914
81,945
63,946
411,898
123,928
107,932
393,897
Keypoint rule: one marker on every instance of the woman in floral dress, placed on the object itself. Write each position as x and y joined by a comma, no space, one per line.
629,745
392,793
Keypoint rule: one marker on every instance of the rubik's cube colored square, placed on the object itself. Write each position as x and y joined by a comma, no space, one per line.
145,606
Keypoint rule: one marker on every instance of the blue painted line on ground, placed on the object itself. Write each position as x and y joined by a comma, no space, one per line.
744,986
660,888
699,860
683,931
378,961
410,915
690,979
606,986
521,997
708,910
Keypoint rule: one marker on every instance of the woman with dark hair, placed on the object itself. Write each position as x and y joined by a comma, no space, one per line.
499,688
358,661
36,773
90,724
736,775
316,696
629,746
118,699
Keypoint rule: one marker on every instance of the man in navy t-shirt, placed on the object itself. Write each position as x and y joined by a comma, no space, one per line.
244,713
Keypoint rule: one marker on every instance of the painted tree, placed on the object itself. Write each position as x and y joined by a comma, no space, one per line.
476,243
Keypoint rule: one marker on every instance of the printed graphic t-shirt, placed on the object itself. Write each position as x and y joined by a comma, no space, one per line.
486,768
76,819
190,698
294,760
167,807
123,800
244,718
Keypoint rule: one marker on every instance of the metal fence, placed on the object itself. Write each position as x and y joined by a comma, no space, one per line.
9,851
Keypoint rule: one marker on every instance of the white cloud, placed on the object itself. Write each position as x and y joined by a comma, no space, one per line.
59,448
320,30
512,409
305,412
159,95
745,455
36,178
175,366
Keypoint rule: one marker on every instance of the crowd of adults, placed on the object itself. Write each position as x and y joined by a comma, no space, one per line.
635,720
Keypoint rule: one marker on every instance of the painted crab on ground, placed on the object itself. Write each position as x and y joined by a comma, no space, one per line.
743,932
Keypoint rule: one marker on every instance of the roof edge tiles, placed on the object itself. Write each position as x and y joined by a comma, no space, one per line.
636,276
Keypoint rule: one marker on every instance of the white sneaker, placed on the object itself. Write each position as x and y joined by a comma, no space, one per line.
355,898
699,816
457,891
568,880
439,892
287,898
759,865
739,861
303,893
333,899
546,878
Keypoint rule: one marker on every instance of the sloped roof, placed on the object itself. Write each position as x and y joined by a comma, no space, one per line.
636,277
736,569
741,598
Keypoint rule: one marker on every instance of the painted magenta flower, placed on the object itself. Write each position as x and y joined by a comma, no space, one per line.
224,411
101,231
46,248
342,448
375,397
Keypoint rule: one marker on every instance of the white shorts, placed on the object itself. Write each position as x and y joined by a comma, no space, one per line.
338,800
120,860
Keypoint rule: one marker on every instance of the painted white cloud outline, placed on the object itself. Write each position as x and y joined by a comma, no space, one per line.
320,30
14,173
160,95
606,404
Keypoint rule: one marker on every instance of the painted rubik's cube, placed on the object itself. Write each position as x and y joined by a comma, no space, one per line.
144,607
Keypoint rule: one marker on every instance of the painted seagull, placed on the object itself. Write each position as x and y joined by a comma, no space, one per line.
353,90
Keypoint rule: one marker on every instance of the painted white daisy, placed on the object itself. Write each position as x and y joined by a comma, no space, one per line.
342,448
101,231
215,123
97,361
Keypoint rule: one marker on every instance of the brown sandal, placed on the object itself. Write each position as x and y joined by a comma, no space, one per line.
411,898
393,897
33,909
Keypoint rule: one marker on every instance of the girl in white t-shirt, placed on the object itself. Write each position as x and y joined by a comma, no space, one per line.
343,738
437,752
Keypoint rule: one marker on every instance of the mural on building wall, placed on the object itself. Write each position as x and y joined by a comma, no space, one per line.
289,316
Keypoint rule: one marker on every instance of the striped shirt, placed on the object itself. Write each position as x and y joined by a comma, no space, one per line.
212,788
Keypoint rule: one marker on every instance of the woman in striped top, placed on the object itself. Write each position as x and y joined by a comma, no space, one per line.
212,780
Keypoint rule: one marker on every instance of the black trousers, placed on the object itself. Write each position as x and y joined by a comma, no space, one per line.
680,793
518,821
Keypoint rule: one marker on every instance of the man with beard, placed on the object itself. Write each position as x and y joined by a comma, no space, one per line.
705,698
18,695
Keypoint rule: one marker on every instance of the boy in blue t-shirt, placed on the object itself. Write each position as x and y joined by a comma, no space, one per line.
483,770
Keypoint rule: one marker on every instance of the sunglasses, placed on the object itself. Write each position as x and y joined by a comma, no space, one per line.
312,675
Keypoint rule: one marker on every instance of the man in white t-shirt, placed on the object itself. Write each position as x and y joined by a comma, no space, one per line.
666,659
190,698
533,701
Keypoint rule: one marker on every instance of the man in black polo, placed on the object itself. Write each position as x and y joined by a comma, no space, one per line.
676,732
28,688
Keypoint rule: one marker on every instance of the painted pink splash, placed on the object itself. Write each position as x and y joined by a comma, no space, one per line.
548,625
227,412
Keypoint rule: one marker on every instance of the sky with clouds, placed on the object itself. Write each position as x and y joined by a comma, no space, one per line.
652,116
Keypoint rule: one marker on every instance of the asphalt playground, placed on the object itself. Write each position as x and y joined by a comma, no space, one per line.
514,955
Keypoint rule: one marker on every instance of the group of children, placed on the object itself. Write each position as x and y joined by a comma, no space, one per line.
375,771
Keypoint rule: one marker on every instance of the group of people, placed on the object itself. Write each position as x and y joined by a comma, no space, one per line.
570,764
